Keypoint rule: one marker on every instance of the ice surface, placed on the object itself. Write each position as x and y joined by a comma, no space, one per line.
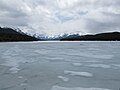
13,59
76,88
60,66
74,73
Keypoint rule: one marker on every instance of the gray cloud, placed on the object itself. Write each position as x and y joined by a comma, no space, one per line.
61,16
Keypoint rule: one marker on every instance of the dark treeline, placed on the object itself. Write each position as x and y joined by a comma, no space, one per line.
110,36
9,35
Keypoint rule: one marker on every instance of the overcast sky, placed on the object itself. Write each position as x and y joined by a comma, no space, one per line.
61,16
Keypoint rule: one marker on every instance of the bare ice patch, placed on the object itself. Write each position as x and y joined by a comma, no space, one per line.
73,73
12,58
116,66
42,52
99,56
94,55
76,88
65,79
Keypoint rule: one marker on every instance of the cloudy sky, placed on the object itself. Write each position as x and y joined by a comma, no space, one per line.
54,17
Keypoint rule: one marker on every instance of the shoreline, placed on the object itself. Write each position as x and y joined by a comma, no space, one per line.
54,41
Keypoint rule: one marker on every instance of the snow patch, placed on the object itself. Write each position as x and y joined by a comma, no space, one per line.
56,58
23,84
20,77
91,61
14,69
99,66
76,64
73,73
76,88
65,79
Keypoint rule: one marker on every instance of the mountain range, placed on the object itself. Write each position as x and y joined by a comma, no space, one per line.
13,35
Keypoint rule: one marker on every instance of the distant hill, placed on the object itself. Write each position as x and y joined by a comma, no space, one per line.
110,36
9,35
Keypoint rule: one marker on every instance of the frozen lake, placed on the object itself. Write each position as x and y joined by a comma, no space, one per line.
60,66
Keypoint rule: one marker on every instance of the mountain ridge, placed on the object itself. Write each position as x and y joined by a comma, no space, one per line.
108,36
11,35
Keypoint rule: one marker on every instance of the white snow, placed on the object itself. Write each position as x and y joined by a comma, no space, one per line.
77,64
14,69
76,88
65,79
92,61
74,73
99,66
23,84
56,59
20,77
